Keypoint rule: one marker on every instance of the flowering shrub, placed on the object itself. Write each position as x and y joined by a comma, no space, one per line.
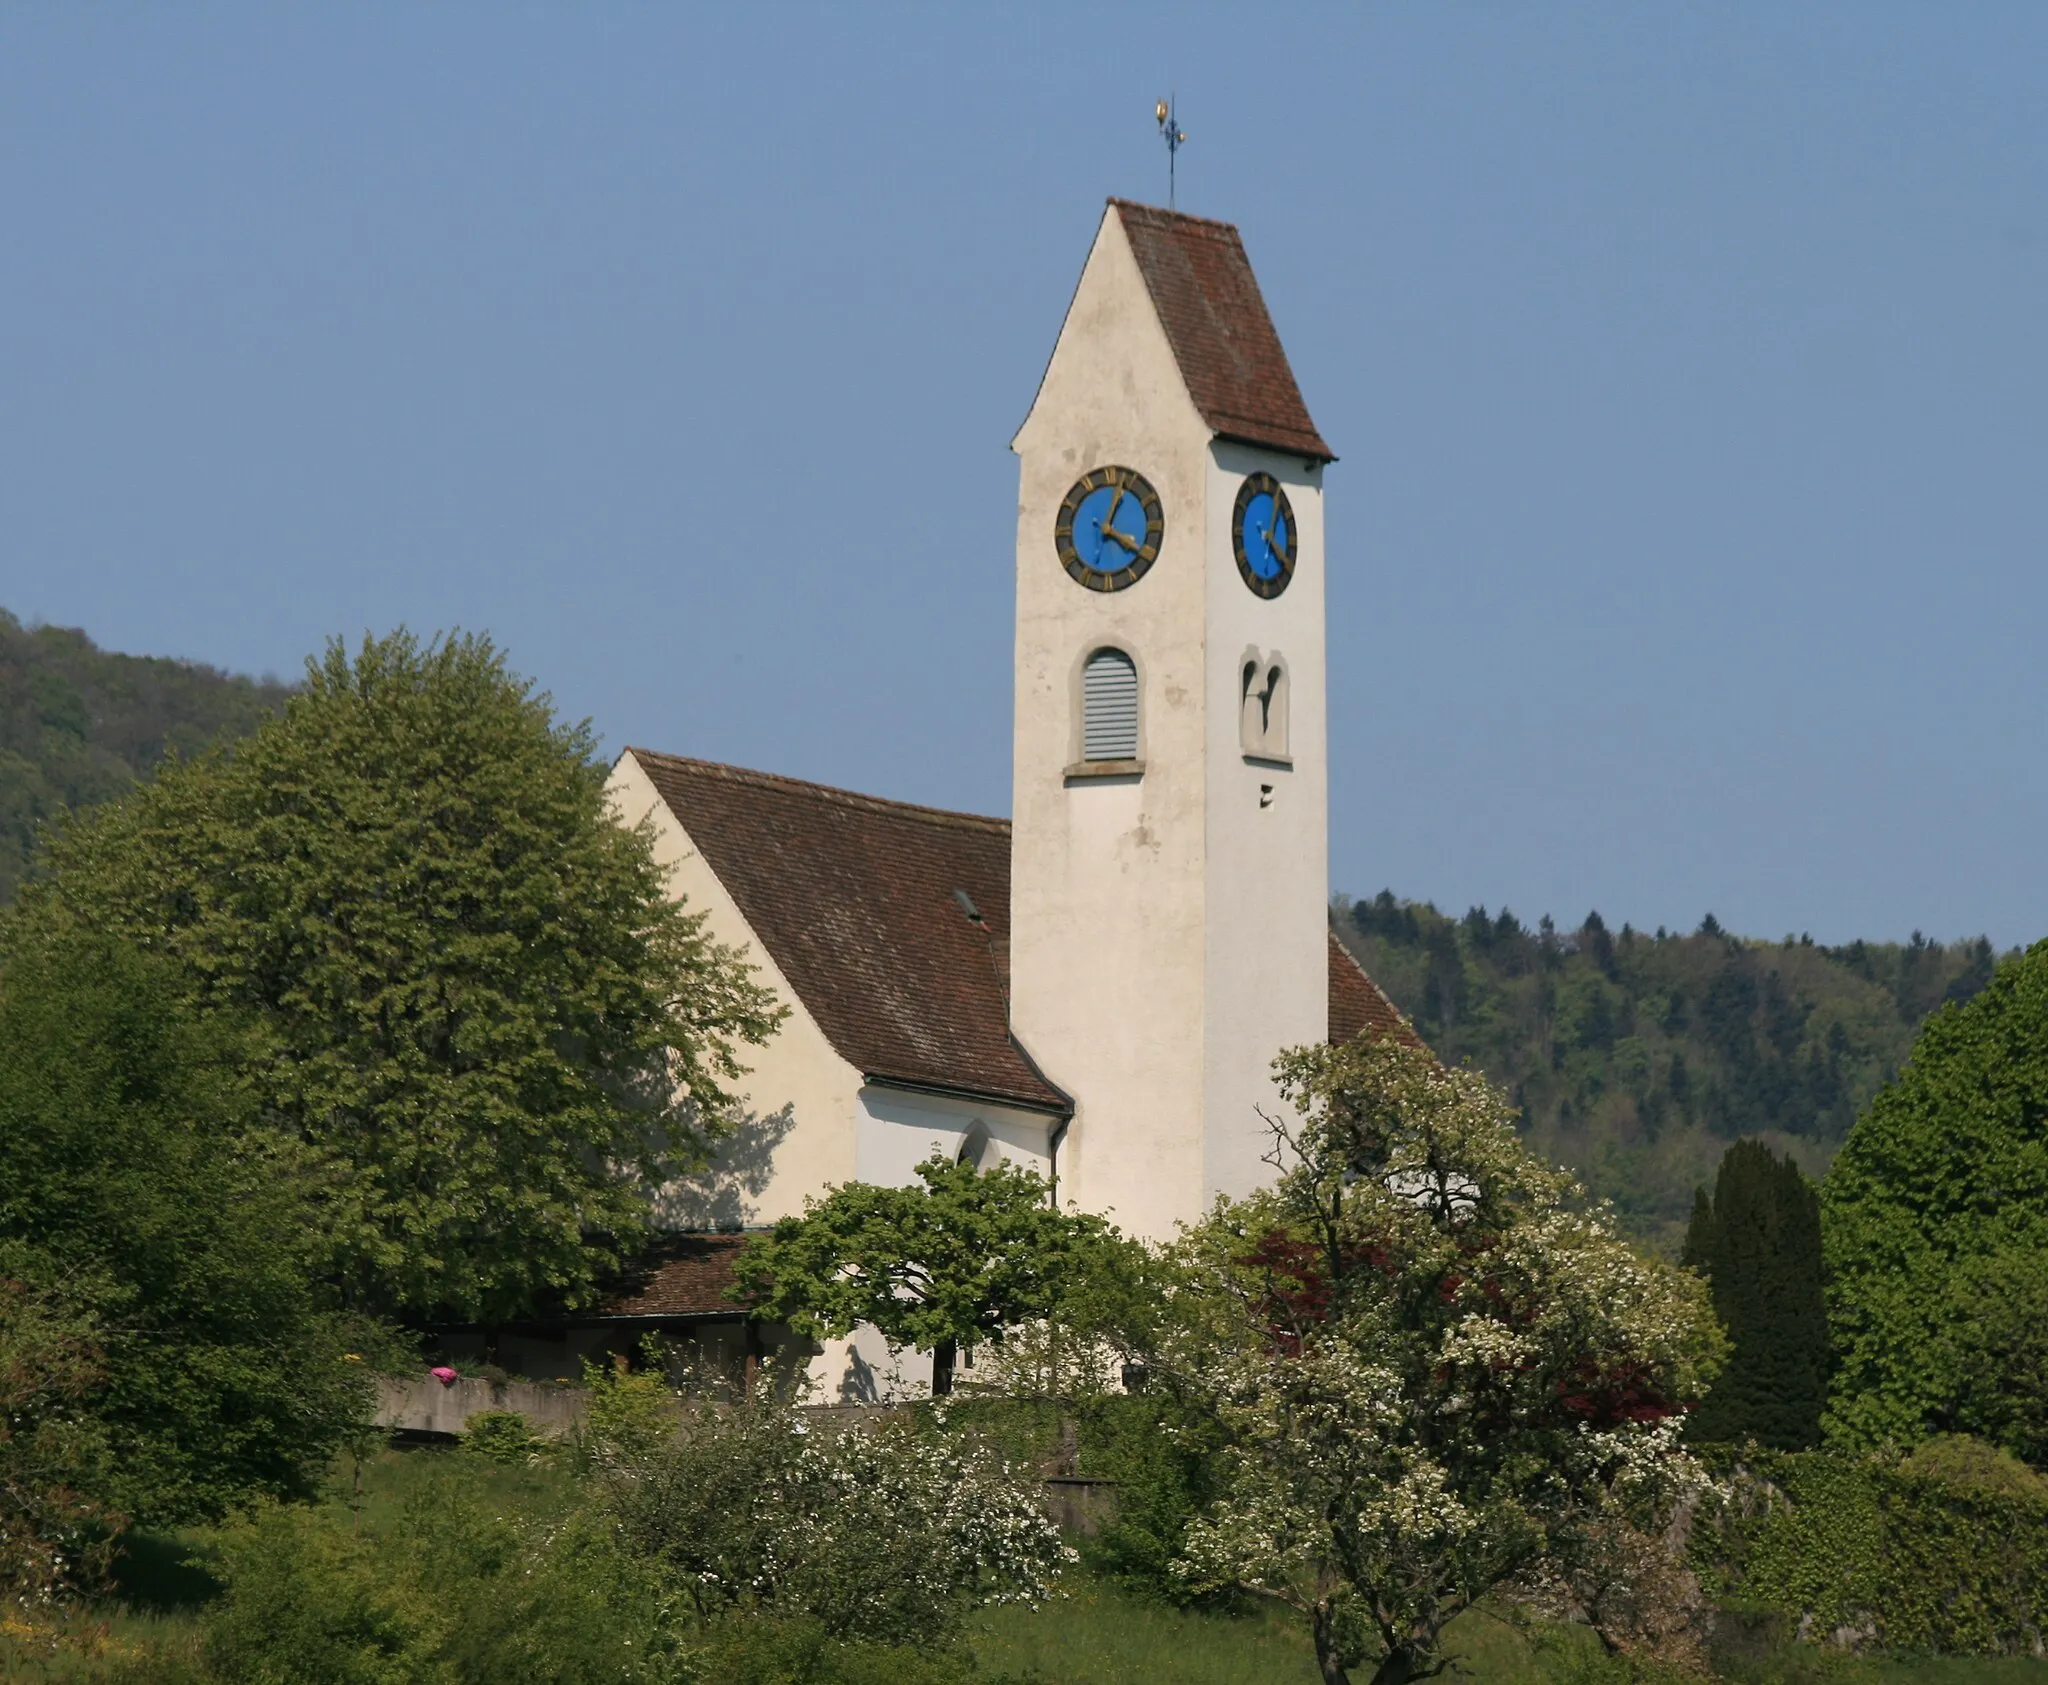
1438,1370
870,1532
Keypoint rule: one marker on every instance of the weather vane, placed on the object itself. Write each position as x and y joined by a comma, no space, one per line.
1169,131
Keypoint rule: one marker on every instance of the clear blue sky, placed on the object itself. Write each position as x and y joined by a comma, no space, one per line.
1688,366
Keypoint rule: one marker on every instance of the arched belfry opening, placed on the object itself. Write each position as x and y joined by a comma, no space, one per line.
1262,705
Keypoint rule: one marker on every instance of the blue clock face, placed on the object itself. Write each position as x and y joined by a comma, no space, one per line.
1109,528
1264,535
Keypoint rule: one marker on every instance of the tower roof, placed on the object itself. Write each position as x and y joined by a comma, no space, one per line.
1208,301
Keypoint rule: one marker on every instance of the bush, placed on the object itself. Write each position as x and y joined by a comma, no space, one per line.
758,1651
1973,1468
55,1541
1945,1551
480,1578
135,1182
458,1593
1160,1455
877,1534
504,1437
310,1603
549,1605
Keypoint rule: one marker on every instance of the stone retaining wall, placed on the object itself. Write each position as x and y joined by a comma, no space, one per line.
426,1406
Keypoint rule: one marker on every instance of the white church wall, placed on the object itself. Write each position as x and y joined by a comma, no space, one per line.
1107,884
1267,827
863,1370
896,1130
797,1131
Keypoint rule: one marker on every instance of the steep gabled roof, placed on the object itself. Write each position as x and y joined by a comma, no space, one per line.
1208,300
855,900
1357,1002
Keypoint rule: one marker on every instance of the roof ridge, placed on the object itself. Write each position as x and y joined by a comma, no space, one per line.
849,798
1163,211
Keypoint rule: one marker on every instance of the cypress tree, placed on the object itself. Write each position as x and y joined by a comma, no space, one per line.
1757,1241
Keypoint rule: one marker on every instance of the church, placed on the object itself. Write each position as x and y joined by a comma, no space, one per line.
1097,986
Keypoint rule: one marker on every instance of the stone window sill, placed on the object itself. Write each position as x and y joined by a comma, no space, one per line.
1284,762
1082,772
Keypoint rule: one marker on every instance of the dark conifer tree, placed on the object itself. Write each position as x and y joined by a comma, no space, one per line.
1758,1243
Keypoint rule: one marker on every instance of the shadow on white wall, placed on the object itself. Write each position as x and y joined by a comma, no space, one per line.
723,1196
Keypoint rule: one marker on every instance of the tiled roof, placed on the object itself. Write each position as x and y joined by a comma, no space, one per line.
679,1275
1208,300
855,900
1357,1003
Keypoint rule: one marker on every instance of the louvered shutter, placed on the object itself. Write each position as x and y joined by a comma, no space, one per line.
1109,707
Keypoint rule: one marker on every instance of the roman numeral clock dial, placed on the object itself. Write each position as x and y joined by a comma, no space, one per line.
1108,528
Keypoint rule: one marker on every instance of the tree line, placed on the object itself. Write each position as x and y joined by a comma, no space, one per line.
1636,1057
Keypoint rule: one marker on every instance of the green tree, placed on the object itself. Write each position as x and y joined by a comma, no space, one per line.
472,993
952,1263
133,1193
1935,1217
1439,1372
1758,1243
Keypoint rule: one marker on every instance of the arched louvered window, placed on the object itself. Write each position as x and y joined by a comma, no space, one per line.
1109,707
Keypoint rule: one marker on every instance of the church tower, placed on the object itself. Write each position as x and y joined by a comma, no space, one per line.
1169,854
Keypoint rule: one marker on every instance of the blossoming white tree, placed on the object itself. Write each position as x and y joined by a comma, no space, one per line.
1440,1370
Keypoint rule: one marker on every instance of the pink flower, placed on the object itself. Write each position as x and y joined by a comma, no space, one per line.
446,1376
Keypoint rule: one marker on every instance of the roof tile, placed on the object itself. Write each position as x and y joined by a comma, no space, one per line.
1215,318
678,1275
1358,1003
855,900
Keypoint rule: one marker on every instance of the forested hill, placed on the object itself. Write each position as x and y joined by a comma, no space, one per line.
1636,1058
79,724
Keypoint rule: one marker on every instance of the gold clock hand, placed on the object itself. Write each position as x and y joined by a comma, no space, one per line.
1274,541
1115,503
1130,544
